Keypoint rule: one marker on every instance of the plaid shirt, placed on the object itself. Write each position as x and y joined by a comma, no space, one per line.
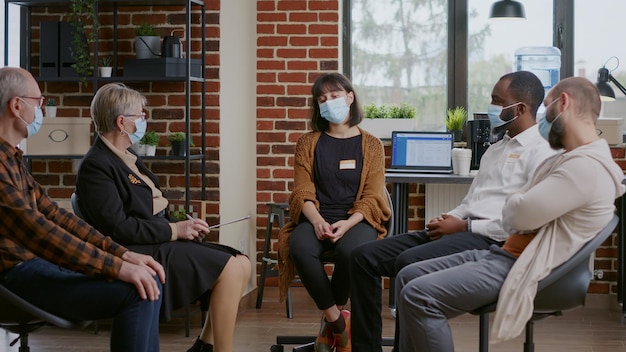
35,226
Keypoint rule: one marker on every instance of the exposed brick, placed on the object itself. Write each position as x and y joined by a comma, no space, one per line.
286,5
265,5
324,29
291,29
323,5
303,17
323,53
618,152
291,53
290,101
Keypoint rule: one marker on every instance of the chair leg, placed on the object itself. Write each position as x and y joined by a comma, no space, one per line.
187,313
483,335
259,295
288,306
24,343
529,344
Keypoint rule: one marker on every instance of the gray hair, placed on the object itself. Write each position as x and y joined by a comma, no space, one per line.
112,100
13,83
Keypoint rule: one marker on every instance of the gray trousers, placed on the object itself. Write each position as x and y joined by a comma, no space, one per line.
432,291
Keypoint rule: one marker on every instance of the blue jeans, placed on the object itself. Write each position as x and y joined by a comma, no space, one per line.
76,296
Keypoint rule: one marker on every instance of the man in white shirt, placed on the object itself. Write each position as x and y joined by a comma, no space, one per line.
475,224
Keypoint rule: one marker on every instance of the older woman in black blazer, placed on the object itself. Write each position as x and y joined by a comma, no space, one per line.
120,197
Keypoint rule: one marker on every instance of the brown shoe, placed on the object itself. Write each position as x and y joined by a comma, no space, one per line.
343,340
325,342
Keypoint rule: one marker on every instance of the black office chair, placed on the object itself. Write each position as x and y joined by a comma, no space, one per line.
204,299
564,288
306,343
20,317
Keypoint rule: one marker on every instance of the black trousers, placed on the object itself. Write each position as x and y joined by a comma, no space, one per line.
371,261
305,250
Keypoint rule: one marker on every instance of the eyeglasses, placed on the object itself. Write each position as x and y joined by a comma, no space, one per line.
140,116
41,99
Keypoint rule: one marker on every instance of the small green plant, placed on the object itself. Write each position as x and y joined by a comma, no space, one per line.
51,102
146,30
455,119
176,137
404,111
179,214
150,138
106,61
80,13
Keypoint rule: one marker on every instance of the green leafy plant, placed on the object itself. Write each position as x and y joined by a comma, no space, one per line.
51,102
455,119
150,138
82,11
106,61
146,30
404,111
176,137
179,214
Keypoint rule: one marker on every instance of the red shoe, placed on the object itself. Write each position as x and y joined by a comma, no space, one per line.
325,342
343,340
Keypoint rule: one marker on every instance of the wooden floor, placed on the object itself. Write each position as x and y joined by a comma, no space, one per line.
597,327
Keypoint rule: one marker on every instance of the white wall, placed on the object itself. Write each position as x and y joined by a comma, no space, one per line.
238,125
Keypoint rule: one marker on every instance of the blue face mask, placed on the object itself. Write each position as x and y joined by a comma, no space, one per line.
335,111
140,126
494,112
542,121
33,127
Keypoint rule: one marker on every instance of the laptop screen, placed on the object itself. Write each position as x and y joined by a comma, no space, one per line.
421,151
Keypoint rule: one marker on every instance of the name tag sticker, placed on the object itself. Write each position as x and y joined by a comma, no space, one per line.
347,164
514,156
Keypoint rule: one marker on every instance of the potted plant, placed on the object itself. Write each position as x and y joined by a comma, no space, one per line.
455,121
80,13
177,141
383,119
150,140
147,41
105,68
51,107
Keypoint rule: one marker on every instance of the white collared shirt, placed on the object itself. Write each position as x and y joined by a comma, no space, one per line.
505,167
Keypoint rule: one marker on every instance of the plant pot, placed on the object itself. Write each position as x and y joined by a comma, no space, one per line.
105,71
179,148
51,111
150,150
147,47
457,134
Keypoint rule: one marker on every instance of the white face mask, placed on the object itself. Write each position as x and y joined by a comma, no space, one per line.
335,111
33,127
494,112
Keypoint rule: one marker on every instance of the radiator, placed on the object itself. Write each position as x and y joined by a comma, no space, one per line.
441,198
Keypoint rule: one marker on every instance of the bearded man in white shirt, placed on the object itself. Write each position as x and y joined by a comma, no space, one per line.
476,223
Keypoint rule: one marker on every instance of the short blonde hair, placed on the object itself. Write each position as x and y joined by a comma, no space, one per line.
112,100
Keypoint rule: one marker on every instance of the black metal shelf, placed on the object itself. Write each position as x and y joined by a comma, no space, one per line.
115,5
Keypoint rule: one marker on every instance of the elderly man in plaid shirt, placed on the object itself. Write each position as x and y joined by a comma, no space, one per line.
52,258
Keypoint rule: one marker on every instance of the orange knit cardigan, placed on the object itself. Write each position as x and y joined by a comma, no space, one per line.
371,200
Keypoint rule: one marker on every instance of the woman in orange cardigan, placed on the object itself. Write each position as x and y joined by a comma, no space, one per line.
337,203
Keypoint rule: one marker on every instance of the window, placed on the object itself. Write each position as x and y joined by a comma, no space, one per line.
598,43
400,51
492,44
14,28
399,55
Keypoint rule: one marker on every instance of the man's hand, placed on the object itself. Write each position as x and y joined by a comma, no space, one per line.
141,277
445,225
138,266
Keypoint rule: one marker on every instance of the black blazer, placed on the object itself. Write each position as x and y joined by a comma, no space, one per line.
116,201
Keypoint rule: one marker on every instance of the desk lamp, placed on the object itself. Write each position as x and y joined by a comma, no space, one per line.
604,76
507,9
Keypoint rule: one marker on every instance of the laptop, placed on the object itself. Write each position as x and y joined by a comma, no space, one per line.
421,152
